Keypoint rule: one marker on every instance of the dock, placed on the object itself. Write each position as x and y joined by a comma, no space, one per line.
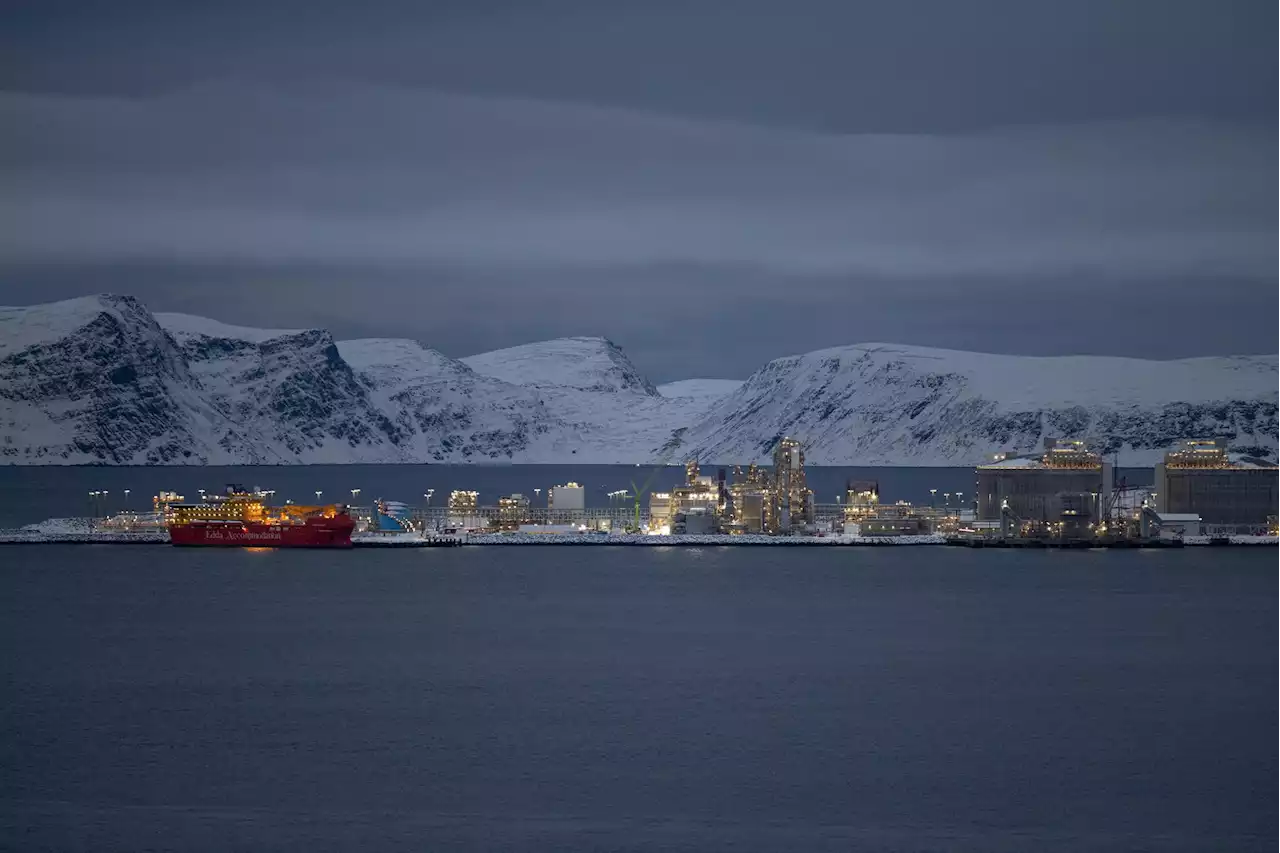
394,541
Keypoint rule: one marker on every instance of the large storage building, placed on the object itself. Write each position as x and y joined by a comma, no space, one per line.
1066,484
570,496
1224,489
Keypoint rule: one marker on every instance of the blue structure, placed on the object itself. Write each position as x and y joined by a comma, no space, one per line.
393,516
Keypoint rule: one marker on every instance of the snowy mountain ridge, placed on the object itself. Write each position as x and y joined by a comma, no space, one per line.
588,364
891,404
185,326
100,380
97,380
290,390
443,409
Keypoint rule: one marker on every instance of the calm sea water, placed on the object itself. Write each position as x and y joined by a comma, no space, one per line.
553,699
28,495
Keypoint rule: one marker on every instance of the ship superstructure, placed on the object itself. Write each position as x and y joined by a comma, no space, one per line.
243,518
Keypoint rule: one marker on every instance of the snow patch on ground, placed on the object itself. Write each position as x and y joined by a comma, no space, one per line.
703,389
1234,540
79,530
61,525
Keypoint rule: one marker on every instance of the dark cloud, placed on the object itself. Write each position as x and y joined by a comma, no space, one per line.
369,175
844,65
1012,177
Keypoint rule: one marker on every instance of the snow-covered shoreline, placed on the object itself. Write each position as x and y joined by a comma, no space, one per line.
53,531
28,537
1233,540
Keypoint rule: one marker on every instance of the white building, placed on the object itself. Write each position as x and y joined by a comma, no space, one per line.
659,510
570,496
696,521
1175,525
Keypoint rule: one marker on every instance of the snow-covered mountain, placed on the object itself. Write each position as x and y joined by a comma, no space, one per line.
101,380
881,404
610,411
97,380
290,389
587,364
444,410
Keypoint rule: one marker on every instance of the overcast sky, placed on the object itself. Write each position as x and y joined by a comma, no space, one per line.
710,184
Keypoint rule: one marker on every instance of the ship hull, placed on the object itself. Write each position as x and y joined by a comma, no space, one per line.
328,533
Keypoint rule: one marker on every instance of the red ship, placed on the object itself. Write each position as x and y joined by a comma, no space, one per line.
242,519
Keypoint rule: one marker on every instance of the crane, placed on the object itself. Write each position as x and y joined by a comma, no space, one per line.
668,450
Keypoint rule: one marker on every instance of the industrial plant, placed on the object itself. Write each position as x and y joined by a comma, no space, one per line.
757,501
1067,480
1066,495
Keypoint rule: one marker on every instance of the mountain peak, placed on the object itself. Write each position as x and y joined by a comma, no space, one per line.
28,326
183,326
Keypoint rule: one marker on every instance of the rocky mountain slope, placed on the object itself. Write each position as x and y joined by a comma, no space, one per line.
101,380
445,411
290,389
98,380
886,404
